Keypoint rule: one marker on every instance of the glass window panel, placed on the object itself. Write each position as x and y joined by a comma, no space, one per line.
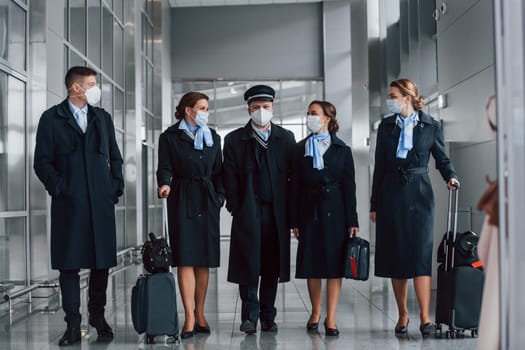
77,24
94,25
12,251
75,60
66,65
144,31
16,51
107,96
119,59
118,114
143,85
12,141
118,8
150,87
107,48
120,219
3,28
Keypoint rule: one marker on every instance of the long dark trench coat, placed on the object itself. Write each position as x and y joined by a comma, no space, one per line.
83,175
195,178
323,207
403,200
240,173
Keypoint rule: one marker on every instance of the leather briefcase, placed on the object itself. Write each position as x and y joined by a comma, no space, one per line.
357,260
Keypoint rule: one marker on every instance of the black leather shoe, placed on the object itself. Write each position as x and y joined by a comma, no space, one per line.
268,326
104,331
248,327
330,332
401,330
70,337
427,329
202,329
188,334
312,326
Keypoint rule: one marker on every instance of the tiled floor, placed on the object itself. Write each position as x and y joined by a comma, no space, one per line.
366,318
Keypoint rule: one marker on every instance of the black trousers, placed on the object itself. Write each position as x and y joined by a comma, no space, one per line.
70,290
263,308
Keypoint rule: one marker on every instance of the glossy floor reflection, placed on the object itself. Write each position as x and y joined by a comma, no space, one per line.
366,319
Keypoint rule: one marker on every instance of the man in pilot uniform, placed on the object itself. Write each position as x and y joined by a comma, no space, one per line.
256,171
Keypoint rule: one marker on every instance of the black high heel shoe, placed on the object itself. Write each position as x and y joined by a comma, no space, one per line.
188,334
330,332
427,329
401,330
312,326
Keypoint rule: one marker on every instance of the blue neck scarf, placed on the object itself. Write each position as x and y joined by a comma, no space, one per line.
312,149
202,135
405,143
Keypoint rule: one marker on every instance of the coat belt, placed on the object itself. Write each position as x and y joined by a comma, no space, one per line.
403,173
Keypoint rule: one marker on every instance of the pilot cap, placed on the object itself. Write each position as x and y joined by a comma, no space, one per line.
259,93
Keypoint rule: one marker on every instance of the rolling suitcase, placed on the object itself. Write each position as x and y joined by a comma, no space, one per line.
154,301
459,287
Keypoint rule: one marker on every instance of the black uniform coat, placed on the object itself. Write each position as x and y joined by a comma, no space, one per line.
403,200
83,175
324,206
241,173
195,178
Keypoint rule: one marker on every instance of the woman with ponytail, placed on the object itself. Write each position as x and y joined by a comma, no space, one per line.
402,204
323,210
189,174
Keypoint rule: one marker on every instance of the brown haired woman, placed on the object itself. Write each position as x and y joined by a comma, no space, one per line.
323,210
402,203
189,174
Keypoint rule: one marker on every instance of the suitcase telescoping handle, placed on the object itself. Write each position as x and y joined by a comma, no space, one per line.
165,230
452,226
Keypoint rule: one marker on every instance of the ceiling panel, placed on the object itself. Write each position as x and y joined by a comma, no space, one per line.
199,3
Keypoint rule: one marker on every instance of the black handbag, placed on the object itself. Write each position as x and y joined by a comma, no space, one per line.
357,259
156,254
465,247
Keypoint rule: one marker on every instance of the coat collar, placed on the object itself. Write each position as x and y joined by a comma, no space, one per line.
174,129
247,131
64,111
423,118
336,141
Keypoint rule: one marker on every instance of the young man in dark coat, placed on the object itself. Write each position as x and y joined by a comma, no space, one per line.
256,170
78,161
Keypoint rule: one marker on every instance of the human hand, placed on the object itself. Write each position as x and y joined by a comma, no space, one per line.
373,216
453,184
295,231
353,231
164,191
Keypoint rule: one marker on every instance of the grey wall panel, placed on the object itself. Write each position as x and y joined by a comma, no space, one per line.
55,64
464,118
473,162
450,11
467,46
258,41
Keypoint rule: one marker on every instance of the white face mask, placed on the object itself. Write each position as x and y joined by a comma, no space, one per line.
93,95
392,106
202,118
262,116
314,123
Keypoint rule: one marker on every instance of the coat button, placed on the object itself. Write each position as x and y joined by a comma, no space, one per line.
327,190
411,207
329,214
200,157
200,214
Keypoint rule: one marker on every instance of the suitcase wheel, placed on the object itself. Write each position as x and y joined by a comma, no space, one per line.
173,339
150,339
439,331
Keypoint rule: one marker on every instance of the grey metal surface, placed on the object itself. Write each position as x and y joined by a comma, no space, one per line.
247,42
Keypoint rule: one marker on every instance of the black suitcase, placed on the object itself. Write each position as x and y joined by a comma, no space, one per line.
459,288
154,300
357,260
154,306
